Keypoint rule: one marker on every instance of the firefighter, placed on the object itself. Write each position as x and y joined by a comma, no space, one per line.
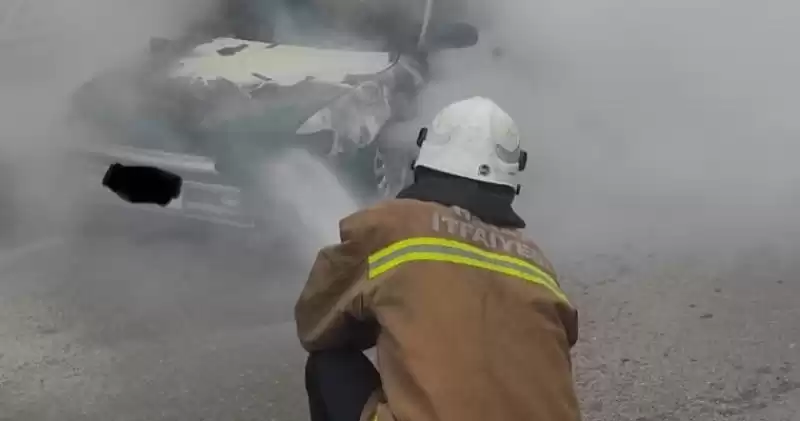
466,314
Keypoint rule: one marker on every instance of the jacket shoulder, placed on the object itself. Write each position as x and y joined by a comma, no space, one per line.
390,221
390,214
403,206
399,219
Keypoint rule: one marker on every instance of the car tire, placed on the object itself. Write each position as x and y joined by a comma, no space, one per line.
396,147
393,173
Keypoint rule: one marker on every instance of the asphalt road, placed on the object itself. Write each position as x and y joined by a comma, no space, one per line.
146,329
687,338
152,326
146,326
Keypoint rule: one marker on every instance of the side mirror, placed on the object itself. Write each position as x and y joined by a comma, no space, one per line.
443,36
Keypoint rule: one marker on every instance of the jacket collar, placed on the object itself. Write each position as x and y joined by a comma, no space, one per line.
491,204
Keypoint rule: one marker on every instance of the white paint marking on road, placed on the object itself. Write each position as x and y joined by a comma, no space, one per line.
25,251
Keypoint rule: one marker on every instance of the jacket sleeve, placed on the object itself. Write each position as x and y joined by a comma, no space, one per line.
329,313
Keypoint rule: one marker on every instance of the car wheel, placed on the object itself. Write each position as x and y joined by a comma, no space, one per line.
394,153
392,174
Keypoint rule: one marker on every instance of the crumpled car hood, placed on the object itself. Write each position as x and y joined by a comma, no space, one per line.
251,64
142,105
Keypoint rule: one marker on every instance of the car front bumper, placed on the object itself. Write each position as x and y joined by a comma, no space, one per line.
205,195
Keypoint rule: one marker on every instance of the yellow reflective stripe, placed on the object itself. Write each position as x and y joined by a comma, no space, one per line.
442,257
433,241
459,252
443,250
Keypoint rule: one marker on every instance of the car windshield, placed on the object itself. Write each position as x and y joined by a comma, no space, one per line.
304,26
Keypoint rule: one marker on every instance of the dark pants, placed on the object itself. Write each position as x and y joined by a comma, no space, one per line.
339,383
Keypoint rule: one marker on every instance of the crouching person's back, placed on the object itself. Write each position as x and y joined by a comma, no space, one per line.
466,314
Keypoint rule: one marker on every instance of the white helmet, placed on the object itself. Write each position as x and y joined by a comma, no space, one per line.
473,138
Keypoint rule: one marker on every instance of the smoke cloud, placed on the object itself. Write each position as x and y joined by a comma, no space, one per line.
661,128
49,48
664,125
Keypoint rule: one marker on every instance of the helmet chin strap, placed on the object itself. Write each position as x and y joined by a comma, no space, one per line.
423,134
523,163
523,160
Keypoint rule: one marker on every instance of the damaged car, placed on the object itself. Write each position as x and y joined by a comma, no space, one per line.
218,104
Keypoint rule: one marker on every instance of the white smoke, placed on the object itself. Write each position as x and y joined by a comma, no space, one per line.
664,124
48,49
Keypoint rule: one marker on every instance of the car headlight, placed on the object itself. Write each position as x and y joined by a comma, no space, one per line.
355,118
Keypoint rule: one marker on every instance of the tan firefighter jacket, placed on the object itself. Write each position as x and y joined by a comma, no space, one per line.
468,319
